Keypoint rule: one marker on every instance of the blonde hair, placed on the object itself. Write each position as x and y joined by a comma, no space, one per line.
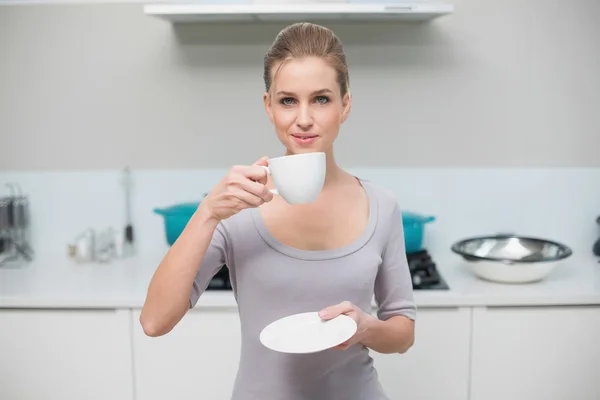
305,39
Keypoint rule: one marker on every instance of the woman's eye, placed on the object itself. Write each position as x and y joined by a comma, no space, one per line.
287,101
322,99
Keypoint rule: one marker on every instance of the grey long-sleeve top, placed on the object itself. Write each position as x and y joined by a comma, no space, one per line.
271,280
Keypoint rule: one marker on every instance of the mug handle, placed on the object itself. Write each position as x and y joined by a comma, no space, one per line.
274,191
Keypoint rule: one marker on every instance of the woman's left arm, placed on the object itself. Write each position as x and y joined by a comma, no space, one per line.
392,331
394,335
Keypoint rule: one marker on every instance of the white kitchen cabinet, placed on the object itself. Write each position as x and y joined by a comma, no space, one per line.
524,353
198,359
437,366
65,354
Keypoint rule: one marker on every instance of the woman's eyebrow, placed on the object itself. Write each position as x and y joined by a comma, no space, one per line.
316,92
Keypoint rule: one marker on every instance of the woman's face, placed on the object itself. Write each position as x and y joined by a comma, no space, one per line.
306,106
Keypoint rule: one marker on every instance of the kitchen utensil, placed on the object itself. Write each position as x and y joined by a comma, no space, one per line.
120,246
307,333
105,245
21,224
102,246
84,247
128,246
597,244
509,258
14,226
414,230
6,214
6,233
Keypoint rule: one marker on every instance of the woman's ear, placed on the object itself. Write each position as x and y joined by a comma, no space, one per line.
347,104
268,109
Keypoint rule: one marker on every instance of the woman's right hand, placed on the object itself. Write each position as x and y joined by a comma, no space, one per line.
243,187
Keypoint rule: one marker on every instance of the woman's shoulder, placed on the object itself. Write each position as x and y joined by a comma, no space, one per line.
389,216
385,197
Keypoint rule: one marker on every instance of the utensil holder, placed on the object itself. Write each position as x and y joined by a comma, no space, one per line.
14,227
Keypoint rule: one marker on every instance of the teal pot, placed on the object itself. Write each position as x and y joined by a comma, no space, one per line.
414,230
176,218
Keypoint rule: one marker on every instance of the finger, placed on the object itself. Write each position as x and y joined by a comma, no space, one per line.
256,173
342,346
257,189
247,199
262,161
237,180
346,345
333,311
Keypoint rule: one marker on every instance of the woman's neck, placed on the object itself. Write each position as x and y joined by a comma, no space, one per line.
334,173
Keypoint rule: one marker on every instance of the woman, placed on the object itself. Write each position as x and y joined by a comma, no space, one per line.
286,259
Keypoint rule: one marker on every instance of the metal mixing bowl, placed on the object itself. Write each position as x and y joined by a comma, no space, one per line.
511,258
511,249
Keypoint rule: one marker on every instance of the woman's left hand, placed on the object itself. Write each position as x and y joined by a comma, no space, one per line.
361,318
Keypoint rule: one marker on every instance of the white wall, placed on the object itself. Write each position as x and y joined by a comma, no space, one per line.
488,119
499,83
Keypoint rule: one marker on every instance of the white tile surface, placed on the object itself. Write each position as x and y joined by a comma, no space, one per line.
557,203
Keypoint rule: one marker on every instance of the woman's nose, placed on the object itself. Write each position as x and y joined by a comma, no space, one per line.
304,118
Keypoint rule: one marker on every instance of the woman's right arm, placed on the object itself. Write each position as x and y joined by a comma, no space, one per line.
170,288
168,297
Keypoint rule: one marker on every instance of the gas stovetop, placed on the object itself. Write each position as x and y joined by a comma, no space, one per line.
424,273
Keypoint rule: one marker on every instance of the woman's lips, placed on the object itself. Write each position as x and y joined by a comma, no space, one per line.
304,139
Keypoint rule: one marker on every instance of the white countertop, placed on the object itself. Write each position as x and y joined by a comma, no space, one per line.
56,282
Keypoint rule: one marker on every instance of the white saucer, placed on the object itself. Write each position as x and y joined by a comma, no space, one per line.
307,333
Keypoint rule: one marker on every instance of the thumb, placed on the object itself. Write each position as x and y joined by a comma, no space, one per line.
335,310
262,161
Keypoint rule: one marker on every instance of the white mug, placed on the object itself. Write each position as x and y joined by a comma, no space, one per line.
298,178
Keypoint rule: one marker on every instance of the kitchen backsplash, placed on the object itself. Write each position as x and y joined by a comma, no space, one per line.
556,203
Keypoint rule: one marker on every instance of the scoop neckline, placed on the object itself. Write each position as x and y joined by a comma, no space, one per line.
315,255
